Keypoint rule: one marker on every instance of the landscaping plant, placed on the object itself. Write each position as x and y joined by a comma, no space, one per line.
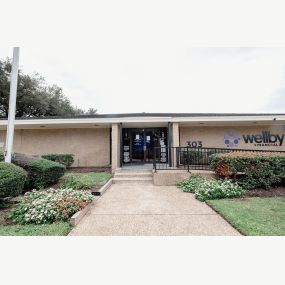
191,184
256,169
48,206
1,156
12,179
65,159
84,180
41,172
218,189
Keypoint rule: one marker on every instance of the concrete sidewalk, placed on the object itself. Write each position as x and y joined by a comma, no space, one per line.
150,210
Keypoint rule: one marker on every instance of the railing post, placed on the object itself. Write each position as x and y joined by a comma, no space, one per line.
177,156
188,162
154,159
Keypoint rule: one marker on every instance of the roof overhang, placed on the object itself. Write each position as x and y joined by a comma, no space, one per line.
146,121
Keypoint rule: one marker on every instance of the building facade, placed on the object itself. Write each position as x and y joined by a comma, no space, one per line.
125,139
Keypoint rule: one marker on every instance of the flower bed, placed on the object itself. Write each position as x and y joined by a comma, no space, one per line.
190,185
211,189
218,189
48,206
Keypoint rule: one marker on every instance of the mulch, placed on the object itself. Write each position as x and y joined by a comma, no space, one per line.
3,213
272,192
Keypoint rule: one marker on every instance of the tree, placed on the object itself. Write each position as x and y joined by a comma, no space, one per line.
34,97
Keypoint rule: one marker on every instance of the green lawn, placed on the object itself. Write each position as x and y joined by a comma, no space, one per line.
35,230
84,180
254,216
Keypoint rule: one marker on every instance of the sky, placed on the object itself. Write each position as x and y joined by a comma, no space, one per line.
122,56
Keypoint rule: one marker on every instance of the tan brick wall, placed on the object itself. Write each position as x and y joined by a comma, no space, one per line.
214,136
91,147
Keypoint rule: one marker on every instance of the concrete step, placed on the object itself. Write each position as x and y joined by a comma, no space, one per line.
135,180
133,174
121,170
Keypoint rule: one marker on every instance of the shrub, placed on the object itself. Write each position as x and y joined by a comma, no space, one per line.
65,159
43,172
191,184
2,156
259,169
12,179
218,189
48,206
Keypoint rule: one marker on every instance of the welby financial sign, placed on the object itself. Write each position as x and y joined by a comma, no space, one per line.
265,138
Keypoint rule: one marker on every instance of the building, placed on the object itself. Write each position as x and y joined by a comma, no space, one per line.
120,139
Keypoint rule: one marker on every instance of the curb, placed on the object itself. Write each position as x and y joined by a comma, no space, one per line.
103,188
76,218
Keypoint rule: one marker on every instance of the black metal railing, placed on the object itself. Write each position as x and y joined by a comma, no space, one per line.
167,158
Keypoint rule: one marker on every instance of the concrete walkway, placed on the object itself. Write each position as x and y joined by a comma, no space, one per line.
150,210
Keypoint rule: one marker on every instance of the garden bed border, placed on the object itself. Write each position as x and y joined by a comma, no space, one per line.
77,217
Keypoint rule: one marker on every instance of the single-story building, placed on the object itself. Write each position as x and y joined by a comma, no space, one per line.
120,139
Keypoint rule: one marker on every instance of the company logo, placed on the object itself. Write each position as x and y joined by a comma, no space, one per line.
231,139
264,139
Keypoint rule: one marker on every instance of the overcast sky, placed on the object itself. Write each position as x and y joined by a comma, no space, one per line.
129,58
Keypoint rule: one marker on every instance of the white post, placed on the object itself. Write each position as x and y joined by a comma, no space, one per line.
12,105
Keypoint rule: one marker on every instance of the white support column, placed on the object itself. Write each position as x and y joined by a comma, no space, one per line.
175,141
12,105
115,147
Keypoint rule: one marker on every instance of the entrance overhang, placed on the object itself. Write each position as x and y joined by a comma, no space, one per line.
145,125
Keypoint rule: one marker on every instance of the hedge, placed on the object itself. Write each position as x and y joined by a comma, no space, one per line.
2,156
12,179
41,172
256,169
65,159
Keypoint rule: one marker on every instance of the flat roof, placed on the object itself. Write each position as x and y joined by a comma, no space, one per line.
132,115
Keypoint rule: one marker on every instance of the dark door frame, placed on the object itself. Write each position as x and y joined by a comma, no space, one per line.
144,139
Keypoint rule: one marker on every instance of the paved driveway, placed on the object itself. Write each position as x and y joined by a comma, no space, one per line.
150,210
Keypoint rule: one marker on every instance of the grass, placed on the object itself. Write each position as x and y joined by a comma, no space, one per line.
254,216
84,180
35,230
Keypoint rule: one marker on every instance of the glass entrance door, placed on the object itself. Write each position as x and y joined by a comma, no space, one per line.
138,144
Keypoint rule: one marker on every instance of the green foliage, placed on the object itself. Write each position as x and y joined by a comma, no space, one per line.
2,156
218,189
34,97
65,159
84,180
12,179
254,216
260,170
191,184
210,189
48,206
41,172
58,229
